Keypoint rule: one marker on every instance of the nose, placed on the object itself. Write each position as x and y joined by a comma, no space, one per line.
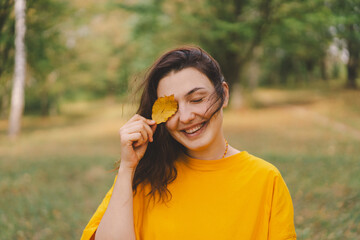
185,114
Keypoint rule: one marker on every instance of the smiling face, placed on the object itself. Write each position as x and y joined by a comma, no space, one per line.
193,125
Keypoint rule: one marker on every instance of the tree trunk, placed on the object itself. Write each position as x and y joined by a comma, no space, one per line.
17,95
354,58
351,78
352,67
323,69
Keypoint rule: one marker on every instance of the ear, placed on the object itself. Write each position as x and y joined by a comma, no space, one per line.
226,90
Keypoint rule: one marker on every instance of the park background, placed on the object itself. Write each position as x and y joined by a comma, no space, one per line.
293,71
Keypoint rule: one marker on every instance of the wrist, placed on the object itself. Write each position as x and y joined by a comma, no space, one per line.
123,168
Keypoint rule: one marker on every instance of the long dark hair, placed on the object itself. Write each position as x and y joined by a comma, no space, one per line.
157,167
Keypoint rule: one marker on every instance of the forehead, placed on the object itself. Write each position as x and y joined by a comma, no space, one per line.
182,82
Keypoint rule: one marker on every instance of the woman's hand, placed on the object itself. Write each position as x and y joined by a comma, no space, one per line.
134,138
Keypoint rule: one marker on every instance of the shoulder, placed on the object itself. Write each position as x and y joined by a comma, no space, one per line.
263,164
258,165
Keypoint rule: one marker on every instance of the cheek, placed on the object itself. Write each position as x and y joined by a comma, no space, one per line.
210,108
207,111
171,125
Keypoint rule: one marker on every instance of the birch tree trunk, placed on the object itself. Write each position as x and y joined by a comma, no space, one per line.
17,95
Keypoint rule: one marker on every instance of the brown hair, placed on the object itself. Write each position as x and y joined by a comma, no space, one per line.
157,167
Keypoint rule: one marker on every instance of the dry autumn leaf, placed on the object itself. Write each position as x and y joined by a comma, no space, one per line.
164,108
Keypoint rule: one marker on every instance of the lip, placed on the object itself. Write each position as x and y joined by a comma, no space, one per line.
192,126
197,133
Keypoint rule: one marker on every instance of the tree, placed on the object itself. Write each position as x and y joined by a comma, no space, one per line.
296,47
348,28
6,52
17,97
44,49
229,30
46,53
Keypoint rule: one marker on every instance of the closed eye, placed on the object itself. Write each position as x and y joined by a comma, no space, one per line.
197,100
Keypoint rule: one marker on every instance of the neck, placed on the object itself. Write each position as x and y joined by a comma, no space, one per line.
215,150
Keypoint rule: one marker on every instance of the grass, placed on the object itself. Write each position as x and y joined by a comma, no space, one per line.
55,175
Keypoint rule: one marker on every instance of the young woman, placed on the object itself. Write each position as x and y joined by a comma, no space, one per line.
181,179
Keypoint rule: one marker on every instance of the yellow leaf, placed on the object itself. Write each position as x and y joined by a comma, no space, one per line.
164,108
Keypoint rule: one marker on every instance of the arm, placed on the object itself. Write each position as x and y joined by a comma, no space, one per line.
118,220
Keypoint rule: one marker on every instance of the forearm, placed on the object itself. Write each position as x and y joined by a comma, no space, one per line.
118,220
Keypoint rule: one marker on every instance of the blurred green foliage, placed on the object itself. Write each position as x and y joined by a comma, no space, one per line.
6,52
297,43
82,50
45,53
348,29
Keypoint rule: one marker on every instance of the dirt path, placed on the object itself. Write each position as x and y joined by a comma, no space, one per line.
326,121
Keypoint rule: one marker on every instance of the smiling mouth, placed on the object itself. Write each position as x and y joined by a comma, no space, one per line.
194,129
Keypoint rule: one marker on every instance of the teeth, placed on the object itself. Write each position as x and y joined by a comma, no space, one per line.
194,129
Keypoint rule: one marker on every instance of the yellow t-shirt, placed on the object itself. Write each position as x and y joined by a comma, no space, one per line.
238,197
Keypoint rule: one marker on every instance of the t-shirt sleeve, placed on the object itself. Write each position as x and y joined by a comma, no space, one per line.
94,222
281,225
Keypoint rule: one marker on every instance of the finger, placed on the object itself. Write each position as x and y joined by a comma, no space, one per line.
145,124
144,135
150,121
140,142
132,127
139,124
153,129
149,132
138,117
138,127
135,117
145,120
132,138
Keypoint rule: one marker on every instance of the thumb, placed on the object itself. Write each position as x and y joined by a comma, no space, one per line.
153,127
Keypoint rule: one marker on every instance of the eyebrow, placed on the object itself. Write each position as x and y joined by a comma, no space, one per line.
193,90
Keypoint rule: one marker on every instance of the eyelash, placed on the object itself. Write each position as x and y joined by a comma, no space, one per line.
197,100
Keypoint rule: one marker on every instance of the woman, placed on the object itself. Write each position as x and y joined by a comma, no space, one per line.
181,179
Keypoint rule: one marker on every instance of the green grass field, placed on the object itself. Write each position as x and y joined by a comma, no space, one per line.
55,175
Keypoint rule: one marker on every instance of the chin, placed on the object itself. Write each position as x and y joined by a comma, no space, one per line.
196,144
